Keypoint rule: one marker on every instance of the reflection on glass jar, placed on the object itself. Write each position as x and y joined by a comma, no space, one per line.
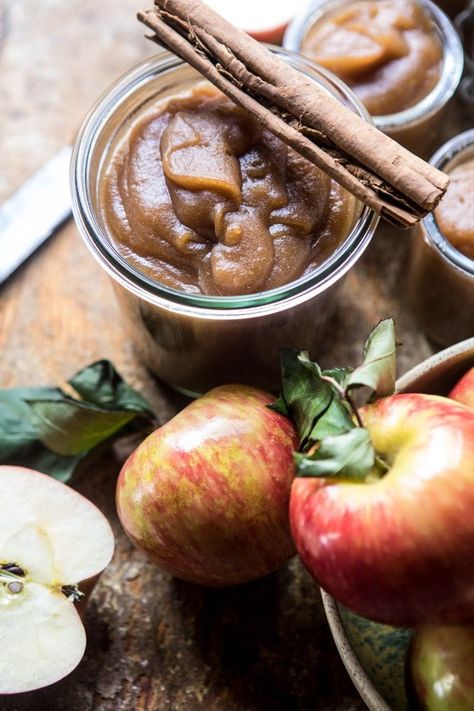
404,60
196,341
441,278
194,354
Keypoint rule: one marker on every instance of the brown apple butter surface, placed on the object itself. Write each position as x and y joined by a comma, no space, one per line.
202,199
387,51
455,213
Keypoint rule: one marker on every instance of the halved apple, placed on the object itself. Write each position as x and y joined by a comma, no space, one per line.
52,539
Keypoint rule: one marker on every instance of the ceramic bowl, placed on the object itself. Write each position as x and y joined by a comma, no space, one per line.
373,654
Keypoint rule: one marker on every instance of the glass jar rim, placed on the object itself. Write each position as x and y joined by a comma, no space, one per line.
451,73
441,159
98,242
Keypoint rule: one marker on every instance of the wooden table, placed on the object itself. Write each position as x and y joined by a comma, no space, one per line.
155,642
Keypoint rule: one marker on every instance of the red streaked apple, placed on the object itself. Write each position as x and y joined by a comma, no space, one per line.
440,668
206,495
398,549
51,540
463,391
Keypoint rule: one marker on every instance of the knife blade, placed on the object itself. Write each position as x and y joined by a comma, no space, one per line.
34,212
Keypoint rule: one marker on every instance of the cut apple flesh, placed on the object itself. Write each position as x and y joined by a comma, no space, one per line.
41,635
51,539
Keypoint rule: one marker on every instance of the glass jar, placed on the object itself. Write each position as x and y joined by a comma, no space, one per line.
440,278
418,127
195,342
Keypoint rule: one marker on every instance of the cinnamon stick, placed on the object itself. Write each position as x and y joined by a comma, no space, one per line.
398,185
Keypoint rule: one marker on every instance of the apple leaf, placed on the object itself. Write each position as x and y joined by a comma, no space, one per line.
345,456
310,398
333,441
12,437
70,427
305,395
46,429
336,420
101,385
378,371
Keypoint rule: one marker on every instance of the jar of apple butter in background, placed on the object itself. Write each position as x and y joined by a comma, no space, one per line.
402,58
441,272
147,165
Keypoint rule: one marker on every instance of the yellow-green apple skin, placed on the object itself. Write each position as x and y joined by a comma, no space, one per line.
398,549
463,391
206,496
440,668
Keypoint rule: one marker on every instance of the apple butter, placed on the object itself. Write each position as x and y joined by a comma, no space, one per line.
441,273
455,213
202,199
386,51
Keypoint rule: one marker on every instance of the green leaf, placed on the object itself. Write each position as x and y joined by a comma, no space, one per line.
14,437
336,420
333,442
40,458
348,456
305,394
280,406
46,429
340,375
70,427
378,371
101,385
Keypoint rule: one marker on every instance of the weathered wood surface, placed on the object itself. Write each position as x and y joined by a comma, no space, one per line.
154,642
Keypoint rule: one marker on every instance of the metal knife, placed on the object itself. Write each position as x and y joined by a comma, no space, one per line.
34,212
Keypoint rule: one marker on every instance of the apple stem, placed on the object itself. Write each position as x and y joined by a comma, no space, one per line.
354,409
381,465
72,593
344,394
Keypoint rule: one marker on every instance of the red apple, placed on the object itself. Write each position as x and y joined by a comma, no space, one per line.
265,20
398,549
206,496
463,391
440,668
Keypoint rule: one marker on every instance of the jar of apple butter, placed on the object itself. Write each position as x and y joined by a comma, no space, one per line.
402,58
441,272
223,244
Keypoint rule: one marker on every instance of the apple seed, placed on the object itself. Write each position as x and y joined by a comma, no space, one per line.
14,569
15,587
10,572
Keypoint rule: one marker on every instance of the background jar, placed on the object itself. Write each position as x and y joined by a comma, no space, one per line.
418,127
196,342
440,278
